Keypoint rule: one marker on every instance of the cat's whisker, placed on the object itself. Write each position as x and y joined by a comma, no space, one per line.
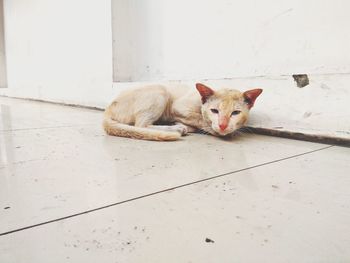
202,131
245,130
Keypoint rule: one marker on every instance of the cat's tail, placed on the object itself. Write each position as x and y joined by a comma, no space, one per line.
123,130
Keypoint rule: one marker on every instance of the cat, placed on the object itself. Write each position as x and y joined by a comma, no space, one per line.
138,113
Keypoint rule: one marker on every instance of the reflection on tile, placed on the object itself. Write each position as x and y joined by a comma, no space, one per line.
20,114
296,210
54,172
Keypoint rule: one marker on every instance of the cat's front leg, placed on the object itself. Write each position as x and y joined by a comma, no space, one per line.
186,128
193,124
178,127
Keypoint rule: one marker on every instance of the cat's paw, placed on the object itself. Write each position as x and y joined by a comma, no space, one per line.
182,129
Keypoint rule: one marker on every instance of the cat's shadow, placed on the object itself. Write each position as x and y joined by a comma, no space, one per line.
240,137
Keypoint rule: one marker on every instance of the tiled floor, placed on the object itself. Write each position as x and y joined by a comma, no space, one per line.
69,193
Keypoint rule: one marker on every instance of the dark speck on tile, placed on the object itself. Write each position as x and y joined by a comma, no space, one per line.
274,186
208,240
7,207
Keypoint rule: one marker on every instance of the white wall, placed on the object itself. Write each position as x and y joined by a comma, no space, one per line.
59,50
2,49
62,50
205,39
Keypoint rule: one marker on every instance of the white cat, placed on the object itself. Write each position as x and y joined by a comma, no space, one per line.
140,113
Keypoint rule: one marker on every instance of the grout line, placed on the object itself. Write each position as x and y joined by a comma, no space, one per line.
158,192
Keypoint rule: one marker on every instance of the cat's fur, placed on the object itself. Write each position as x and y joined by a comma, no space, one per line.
135,113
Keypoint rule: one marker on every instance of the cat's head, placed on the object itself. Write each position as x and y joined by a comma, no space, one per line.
225,110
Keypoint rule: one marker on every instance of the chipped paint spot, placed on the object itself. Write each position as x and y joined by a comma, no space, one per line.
302,80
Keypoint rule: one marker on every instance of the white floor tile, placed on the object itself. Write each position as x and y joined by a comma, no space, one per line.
56,161
296,210
50,173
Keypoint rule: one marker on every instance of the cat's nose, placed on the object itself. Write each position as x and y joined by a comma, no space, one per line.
223,126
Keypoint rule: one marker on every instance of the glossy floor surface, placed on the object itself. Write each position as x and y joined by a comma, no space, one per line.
69,193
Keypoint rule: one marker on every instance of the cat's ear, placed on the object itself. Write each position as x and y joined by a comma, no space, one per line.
250,96
204,91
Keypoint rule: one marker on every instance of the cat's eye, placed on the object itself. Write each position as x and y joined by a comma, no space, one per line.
214,111
236,112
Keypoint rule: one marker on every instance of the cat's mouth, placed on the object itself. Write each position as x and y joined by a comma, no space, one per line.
216,131
237,129
219,132
225,133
